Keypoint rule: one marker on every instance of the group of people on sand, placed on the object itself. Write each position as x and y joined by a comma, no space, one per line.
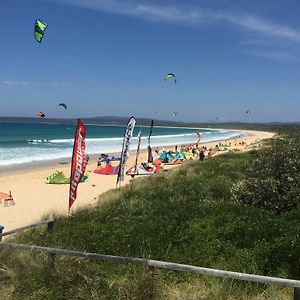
191,151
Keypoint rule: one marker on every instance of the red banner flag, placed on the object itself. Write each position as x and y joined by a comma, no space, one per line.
198,135
78,161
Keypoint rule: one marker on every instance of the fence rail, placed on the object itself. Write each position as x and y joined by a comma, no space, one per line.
48,223
161,264
151,264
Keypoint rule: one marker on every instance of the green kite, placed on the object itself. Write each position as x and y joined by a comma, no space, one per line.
39,30
169,76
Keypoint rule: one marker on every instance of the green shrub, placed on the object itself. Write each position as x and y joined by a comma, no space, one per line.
273,177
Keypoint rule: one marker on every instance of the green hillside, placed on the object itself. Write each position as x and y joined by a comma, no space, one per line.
193,215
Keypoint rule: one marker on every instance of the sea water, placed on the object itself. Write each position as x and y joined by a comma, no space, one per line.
26,143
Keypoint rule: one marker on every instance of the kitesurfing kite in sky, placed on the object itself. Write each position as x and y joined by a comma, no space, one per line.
170,75
174,114
63,105
248,112
39,30
41,115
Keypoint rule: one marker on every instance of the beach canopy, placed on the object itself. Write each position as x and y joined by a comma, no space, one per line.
58,177
39,30
108,169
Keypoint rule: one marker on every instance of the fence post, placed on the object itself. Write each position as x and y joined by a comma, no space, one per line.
51,256
1,229
50,226
296,293
150,269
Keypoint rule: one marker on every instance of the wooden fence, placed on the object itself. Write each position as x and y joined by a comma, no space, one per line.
151,264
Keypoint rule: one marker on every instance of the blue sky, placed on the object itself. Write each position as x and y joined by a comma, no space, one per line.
109,57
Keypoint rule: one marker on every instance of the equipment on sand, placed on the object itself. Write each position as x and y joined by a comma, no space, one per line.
142,169
58,177
7,199
107,169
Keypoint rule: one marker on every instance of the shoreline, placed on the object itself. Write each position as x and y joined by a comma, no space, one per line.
34,165
35,199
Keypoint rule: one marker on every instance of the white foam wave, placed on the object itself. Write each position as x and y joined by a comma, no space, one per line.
62,148
111,139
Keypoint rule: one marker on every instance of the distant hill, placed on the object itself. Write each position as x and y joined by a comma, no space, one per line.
112,120
105,120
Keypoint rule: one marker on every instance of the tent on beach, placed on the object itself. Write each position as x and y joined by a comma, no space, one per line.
58,177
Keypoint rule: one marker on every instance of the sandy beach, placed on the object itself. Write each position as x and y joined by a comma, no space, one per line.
35,199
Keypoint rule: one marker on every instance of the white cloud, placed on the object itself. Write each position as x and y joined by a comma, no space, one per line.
186,15
283,40
273,54
266,28
33,83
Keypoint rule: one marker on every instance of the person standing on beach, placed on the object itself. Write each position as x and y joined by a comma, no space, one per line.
201,155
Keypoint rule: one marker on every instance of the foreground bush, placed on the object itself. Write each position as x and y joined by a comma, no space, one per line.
273,177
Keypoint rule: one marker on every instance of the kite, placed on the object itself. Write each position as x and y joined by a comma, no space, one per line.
40,114
248,112
63,105
169,76
174,114
39,30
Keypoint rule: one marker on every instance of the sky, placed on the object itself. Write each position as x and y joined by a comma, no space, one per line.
110,57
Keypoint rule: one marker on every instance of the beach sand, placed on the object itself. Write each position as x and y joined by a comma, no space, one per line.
35,199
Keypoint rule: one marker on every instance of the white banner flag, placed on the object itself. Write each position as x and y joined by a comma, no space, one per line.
125,148
139,139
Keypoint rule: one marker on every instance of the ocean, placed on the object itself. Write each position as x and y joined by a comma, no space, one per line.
27,143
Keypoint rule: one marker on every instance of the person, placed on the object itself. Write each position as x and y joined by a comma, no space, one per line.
193,151
176,149
201,156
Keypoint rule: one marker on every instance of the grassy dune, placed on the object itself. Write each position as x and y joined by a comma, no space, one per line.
187,215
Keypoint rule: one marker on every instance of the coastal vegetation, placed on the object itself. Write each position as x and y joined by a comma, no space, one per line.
237,212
